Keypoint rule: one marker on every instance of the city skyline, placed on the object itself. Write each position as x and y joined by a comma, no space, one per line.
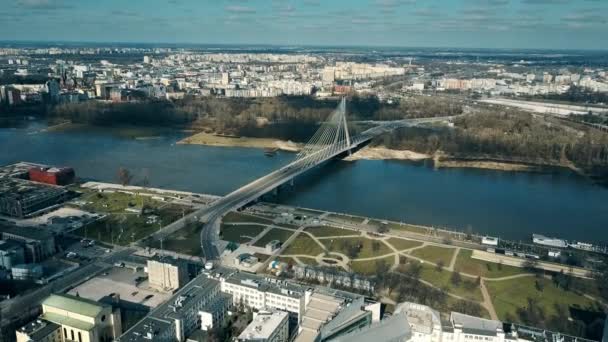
546,24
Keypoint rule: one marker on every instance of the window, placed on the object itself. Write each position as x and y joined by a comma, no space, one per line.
72,333
65,333
79,337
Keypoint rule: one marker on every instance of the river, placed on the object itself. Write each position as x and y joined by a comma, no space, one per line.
507,204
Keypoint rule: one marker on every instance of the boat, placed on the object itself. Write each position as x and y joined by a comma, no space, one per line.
270,152
549,241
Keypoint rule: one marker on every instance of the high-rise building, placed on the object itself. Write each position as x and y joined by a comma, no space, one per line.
167,274
225,78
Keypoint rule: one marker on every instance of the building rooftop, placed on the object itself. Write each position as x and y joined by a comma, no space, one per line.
263,325
267,284
422,319
9,245
18,170
393,329
476,325
26,232
66,320
38,329
81,306
160,319
24,190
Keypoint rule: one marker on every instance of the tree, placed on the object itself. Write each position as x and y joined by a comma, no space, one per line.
455,278
375,246
439,266
530,265
124,176
382,229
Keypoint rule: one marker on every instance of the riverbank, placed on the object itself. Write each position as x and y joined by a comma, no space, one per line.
383,153
209,139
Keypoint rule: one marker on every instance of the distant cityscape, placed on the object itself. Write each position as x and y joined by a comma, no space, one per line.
81,74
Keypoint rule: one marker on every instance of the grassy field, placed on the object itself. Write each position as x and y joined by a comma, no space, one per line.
236,217
435,254
464,263
368,267
122,227
509,295
401,244
303,244
308,261
323,231
274,234
240,233
467,288
366,246
186,241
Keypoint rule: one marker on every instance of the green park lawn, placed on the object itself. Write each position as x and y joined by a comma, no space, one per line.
368,267
367,247
274,234
303,244
435,254
509,295
186,240
466,264
401,244
324,231
241,233
466,288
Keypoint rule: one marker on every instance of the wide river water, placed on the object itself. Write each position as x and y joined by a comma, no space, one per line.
506,204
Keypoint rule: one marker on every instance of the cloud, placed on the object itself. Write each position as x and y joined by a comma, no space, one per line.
426,12
123,13
239,9
391,5
41,4
545,2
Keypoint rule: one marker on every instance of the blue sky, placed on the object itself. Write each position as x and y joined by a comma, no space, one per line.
564,24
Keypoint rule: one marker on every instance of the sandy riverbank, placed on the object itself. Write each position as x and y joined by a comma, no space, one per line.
383,153
218,140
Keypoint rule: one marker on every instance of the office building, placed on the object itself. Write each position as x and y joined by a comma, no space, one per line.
424,322
38,244
167,274
331,313
27,272
21,198
264,293
267,327
11,253
182,315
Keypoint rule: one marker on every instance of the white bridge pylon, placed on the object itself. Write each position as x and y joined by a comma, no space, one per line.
330,138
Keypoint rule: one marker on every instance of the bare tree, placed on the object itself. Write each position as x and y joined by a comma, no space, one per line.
124,176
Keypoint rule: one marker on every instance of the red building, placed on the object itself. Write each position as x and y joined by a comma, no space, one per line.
52,175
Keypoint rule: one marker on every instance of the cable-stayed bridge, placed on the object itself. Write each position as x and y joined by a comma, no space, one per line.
332,140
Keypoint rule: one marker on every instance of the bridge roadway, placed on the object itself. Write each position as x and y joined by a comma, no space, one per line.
211,214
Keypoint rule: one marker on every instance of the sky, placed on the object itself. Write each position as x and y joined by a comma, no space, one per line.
546,24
